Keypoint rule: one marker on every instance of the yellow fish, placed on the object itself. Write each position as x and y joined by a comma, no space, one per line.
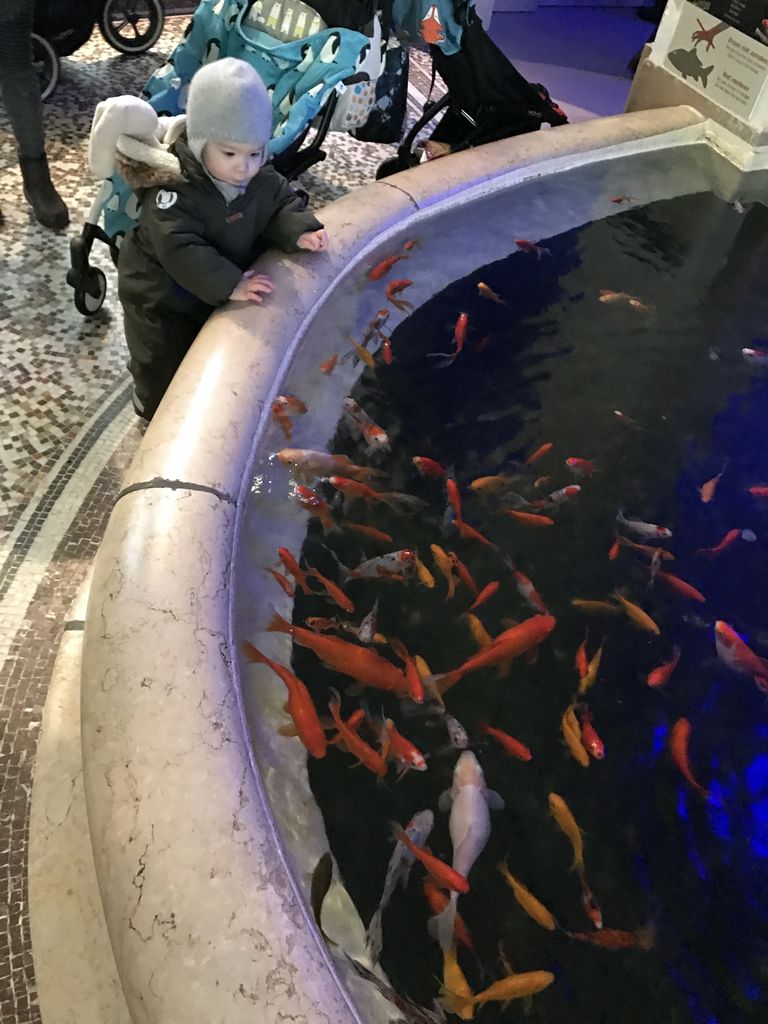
572,736
364,354
444,564
595,607
480,634
490,484
534,908
486,292
566,822
421,666
514,986
457,993
424,574
590,677
637,616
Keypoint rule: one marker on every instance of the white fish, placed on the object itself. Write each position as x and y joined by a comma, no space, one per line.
642,529
418,830
755,356
361,424
457,734
469,826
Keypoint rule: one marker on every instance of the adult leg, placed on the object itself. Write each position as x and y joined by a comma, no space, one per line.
21,96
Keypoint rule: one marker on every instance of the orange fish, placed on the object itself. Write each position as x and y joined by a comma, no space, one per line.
330,364
485,594
613,553
589,903
646,549
459,337
581,661
678,745
284,582
510,746
394,288
377,272
485,341
413,680
661,675
582,467
730,538
510,644
467,532
612,938
528,592
386,350
316,506
540,452
293,569
374,327
488,293
621,199
356,746
530,247
680,586
354,489
431,28
707,490
400,749
371,532
442,873
410,244
359,663
300,705
528,518
333,590
462,573
427,467
758,491
454,497
438,901
283,420
589,736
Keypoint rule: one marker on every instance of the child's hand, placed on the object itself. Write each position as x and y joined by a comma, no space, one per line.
249,287
315,241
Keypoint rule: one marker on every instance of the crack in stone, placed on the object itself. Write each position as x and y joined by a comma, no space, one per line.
163,483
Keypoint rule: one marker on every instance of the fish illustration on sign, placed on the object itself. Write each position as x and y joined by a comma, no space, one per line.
431,27
688,63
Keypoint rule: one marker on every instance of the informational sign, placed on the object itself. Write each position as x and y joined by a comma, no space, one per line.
717,60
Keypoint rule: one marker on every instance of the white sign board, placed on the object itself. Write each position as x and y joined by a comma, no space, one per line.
725,65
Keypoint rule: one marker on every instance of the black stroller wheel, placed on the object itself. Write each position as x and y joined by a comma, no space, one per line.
47,65
90,302
132,26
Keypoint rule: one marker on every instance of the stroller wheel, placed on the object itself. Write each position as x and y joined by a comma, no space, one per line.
89,303
132,26
47,65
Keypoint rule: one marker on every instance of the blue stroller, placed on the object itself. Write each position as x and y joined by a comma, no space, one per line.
314,73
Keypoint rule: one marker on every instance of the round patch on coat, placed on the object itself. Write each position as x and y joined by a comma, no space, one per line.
165,199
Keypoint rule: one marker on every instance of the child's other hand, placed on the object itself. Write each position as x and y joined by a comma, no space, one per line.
249,287
314,241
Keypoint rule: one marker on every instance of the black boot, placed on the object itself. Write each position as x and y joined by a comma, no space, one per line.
46,203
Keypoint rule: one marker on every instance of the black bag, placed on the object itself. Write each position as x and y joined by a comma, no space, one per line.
489,98
385,121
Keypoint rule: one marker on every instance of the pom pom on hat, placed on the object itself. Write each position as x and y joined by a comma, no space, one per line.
227,102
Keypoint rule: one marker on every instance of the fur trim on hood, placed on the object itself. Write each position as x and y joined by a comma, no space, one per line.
127,136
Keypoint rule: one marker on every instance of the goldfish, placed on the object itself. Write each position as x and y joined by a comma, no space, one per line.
680,586
637,616
491,484
479,633
638,304
530,247
459,337
678,745
282,406
488,293
457,986
386,350
608,296
292,404
707,489
374,327
621,199
613,552
411,244
469,825
485,594
422,667
291,566
374,436
316,506
393,289
595,607
442,873
738,656
510,644
581,662
454,497
590,904
413,680
300,705
484,342
356,490
612,938
370,532
581,467
642,529
356,746
533,907
646,549
283,420
755,356
567,824
425,576
363,354
463,574
407,754
467,532
528,518
359,663
541,481
510,746
540,452
427,467
589,678
329,365
418,830
528,591
335,592
443,563
564,494
306,464
728,539
758,491
515,986
571,731
437,900
395,565
284,582
661,675
377,272
589,737
626,420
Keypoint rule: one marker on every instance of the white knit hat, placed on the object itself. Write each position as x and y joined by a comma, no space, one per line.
227,102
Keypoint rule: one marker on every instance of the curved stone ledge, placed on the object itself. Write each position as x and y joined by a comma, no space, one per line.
201,904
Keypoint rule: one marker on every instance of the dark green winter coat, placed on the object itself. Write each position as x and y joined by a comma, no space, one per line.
186,256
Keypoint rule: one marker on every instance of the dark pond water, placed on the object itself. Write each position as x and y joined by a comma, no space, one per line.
692,873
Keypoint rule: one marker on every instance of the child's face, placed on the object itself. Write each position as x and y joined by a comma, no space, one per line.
233,162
